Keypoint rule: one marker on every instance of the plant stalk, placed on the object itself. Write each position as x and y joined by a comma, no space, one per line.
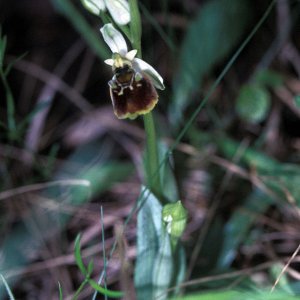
151,158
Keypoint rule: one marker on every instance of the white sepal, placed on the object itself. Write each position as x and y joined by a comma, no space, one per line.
114,39
119,10
139,64
94,6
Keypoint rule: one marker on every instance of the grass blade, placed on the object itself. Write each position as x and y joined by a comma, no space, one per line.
8,290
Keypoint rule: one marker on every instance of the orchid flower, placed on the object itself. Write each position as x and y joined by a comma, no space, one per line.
132,86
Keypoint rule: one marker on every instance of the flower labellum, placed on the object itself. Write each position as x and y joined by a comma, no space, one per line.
118,9
132,88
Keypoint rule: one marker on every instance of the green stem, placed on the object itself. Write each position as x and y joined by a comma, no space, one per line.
135,26
79,290
151,159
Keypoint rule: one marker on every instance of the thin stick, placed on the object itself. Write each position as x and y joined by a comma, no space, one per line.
285,268
41,186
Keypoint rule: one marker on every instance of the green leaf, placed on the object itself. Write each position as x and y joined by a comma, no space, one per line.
251,157
237,228
238,295
87,272
162,273
154,265
253,103
78,257
211,36
90,267
103,291
60,291
226,295
180,267
283,179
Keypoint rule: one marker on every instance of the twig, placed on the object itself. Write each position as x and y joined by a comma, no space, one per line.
40,186
285,268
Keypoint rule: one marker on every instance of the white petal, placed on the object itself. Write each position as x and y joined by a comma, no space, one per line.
141,65
109,62
114,39
119,10
131,54
94,6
